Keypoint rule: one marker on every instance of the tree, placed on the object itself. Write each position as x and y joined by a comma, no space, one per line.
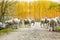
54,6
39,9
57,6
5,8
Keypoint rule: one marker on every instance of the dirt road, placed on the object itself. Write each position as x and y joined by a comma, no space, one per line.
31,34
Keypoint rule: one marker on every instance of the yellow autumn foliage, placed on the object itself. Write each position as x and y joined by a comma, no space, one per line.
38,9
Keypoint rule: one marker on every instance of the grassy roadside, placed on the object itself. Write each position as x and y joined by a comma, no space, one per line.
9,29
58,28
6,30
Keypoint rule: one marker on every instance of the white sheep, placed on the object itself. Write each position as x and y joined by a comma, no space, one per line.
52,24
16,20
2,25
12,22
44,22
58,20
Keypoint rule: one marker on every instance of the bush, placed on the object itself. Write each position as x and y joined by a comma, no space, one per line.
58,28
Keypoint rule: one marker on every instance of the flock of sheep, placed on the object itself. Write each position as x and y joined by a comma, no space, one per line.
28,22
10,23
15,23
51,23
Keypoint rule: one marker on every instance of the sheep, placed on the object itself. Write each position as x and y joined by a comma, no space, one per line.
9,23
53,24
27,22
33,21
13,22
16,22
21,21
2,25
58,20
44,21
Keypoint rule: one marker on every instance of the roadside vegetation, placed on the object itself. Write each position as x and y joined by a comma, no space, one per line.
58,28
37,20
6,30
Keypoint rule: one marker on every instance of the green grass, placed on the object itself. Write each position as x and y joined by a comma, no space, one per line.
58,28
6,30
37,20
9,29
21,25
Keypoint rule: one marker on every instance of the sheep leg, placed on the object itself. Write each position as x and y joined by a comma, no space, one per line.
52,28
